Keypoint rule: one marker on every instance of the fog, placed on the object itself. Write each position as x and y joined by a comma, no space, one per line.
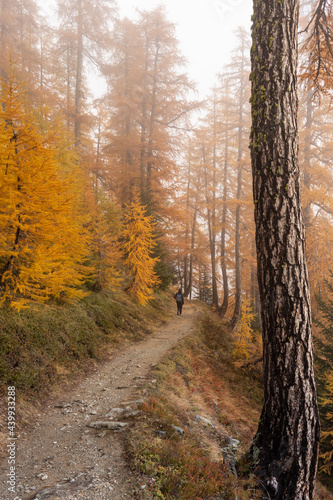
205,30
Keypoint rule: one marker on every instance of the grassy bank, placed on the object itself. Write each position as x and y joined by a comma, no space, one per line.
201,401
200,390
47,344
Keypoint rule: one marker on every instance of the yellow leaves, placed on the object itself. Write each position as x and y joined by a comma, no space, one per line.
138,247
327,435
247,341
43,240
105,249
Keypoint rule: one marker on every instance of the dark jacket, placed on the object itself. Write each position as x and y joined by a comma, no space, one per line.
182,297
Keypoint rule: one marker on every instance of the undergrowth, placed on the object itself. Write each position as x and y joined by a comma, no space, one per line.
201,400
44,343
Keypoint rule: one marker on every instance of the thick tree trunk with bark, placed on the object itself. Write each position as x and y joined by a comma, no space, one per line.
286,443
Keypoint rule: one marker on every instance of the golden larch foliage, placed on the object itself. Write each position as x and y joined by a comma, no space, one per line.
138,246
106,253
42,240
248,342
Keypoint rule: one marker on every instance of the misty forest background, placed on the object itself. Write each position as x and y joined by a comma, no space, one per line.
148,186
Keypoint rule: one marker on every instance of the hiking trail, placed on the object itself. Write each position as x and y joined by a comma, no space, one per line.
63,458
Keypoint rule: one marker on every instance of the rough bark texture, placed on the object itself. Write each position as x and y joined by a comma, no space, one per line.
286,443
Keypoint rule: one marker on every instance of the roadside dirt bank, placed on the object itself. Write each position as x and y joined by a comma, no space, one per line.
63,458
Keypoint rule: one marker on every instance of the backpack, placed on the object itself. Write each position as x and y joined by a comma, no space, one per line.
179,297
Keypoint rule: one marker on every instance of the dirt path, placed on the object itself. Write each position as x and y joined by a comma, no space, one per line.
62,457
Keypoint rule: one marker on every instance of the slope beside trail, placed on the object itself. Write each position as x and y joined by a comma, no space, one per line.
62,457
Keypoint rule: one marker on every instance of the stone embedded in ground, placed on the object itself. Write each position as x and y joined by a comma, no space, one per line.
234,443
204,420
63,405
180,430
112,426
114,412
42,476
161,434
131,403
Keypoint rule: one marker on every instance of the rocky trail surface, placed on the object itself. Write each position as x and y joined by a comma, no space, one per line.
76,450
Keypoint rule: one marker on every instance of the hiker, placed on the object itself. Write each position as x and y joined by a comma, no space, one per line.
180,301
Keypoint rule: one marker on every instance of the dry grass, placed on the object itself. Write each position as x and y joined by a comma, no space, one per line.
199,377
47,345
196,378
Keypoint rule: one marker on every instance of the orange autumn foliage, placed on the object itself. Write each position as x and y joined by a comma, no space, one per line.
138,246
42,240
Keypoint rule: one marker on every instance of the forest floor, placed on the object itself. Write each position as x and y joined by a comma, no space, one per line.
60,457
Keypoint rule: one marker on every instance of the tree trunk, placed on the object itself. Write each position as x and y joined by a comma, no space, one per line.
286,443
79,70
4,29
187,284
151,127
18,224
211,230
143,140
238,258
307,154
188,290
224,305
213,226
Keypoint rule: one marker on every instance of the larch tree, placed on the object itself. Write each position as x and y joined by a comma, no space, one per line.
286,444
185,222
43,242
85,37
241,72
122,139
139,243
193,187
316,162
166,105
19,37
208,148
148,99
224,97
105,253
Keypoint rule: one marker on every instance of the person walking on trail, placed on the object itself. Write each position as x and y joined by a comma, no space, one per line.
180,301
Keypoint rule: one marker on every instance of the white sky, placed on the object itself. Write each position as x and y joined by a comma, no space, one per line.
204,29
